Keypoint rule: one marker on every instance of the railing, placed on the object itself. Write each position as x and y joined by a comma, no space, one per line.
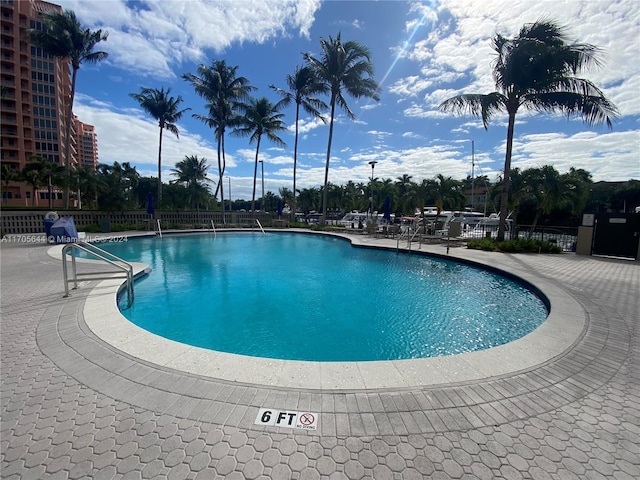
260,225
564,237
215,234
159,229
98,253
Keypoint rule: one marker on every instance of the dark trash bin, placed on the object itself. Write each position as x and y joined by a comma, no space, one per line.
105,225
48,223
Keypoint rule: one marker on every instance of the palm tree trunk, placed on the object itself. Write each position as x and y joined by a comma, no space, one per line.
504,199
255,176
221,182
49,193
160,166
67,146
295,164
323,219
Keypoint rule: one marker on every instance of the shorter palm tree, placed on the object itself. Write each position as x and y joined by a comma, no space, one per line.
261,117
9,174
303,86
192,172
166,110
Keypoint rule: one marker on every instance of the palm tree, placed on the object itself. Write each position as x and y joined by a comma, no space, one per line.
225,93
192,172
536,70
303,85
448,193
64,37
166,110
9,174
261,117
342,67
42,172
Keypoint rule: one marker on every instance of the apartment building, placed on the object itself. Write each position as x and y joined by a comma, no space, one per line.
34,100
86,143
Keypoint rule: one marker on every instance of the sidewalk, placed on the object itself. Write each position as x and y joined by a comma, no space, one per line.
74,406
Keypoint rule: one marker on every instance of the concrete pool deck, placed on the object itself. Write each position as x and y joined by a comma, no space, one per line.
75,405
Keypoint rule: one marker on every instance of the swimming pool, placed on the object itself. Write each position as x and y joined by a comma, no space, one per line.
313,297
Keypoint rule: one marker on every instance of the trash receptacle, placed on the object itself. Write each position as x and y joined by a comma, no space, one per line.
48,223
105,225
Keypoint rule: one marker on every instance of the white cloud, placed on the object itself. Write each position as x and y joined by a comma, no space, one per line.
119,131
150,37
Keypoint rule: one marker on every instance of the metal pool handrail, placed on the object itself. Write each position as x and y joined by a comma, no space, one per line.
260,225
102,255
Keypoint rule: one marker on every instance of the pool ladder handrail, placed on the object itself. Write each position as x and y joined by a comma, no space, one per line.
410,238
102,255
260,225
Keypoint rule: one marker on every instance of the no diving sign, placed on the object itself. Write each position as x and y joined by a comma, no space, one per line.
287,419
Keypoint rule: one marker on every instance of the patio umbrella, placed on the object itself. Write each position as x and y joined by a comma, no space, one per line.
150,209
387,209
279,208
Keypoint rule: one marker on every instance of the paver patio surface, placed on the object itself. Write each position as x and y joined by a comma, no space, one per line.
74,406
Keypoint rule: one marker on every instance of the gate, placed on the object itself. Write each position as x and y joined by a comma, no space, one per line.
616,234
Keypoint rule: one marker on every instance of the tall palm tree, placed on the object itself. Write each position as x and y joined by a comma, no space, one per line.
342,67
536,70
261,117
192,172
166,110
64,37
302,86
225,94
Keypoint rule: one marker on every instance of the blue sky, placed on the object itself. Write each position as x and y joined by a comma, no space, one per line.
423,53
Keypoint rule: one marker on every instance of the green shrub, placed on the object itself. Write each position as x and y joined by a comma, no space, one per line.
93,228
487,244
518,245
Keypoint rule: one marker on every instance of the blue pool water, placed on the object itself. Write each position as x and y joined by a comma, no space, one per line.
312,297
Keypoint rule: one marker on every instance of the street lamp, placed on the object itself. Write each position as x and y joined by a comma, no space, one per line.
373,165
262,199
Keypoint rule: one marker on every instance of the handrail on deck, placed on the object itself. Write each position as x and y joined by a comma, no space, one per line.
214,229
99,254
260,225
159,229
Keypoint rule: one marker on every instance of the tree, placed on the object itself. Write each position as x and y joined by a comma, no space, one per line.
342,67
42,172
448,193
224,93
261,117
303,85
536,70
121,182
62,36
166,110
89,185
192,172
9,174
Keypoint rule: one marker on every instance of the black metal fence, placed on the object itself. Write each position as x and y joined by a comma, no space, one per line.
564,237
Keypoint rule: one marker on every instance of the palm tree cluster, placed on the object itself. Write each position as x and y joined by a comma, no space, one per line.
537,70
343,68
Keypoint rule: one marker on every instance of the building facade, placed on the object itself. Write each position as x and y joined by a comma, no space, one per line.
34,104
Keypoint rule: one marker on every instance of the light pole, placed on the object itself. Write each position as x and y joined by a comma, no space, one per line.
373,165
262,199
